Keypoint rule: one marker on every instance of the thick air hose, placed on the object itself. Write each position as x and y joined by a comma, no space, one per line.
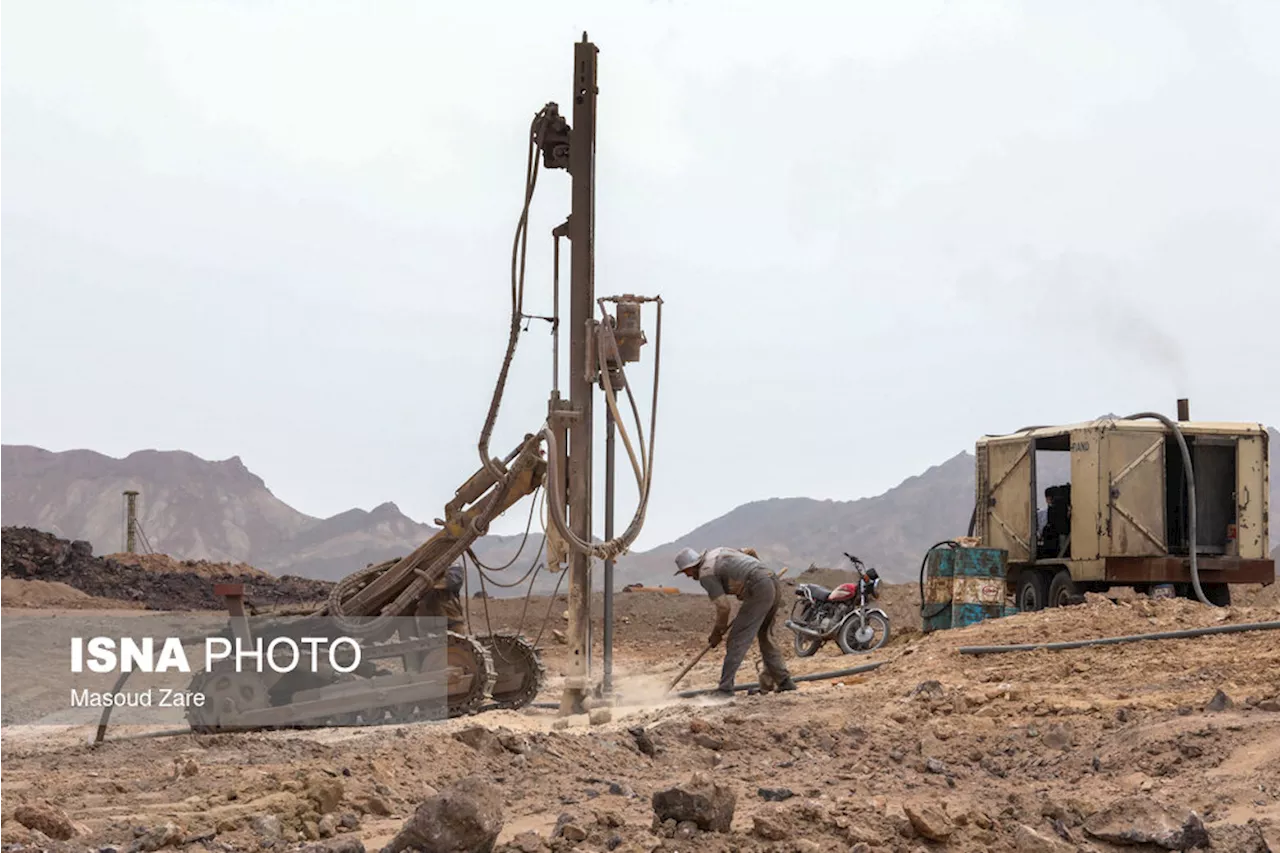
1191,497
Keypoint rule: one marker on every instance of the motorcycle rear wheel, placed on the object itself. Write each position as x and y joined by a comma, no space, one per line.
847,639
807,647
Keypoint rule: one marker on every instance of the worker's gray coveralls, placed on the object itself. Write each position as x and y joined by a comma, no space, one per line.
729,572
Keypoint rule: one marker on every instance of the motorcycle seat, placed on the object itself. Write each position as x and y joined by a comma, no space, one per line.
819,593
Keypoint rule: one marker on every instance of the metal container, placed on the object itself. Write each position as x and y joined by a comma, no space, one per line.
979,585
939,575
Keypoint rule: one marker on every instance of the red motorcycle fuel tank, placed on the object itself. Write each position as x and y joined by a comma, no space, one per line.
844,591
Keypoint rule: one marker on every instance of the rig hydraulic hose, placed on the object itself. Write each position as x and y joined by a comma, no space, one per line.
518,255
644,472
1191,496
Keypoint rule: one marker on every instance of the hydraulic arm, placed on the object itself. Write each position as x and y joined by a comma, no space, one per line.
364,602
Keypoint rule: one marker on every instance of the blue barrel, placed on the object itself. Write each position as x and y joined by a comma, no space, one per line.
939,570
979,585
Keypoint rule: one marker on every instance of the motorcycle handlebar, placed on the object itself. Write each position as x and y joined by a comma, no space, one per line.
854,559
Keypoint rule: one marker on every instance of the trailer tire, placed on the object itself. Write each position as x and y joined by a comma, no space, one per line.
1062,589
1033,590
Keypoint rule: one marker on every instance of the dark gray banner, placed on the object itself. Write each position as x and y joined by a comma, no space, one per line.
213,674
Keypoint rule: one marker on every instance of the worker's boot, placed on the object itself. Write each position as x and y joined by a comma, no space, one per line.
786,684
723,693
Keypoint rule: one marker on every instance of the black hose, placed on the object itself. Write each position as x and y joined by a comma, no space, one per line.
949,543
1115,641
1191,497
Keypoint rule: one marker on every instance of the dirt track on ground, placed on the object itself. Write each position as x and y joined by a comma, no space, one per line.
989,747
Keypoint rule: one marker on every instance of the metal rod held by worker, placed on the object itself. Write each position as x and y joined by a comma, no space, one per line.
688,667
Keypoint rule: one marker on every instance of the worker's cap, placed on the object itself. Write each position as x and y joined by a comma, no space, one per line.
687,559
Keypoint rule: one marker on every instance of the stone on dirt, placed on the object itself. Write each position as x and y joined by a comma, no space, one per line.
1059,736
1219,702
326,792
1028,840
1140,820
929,820
769,826
481,740
775,795
158,838
705,802
45,818
463,819
600,716
266,827
338,845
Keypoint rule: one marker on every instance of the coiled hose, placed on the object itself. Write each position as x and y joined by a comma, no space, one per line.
643,467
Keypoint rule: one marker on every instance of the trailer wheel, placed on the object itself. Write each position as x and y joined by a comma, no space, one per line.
1033,590
1062,589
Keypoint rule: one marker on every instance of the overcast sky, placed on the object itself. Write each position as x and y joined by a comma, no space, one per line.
282,230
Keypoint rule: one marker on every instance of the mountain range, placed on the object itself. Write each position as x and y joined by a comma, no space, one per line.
194,508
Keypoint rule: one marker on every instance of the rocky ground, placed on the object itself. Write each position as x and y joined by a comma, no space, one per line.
1168,745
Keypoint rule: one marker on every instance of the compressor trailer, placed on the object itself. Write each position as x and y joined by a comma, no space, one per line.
1109,503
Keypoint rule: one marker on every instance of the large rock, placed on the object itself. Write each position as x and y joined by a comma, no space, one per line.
1139,820
703,801
45,818
463,819
929,820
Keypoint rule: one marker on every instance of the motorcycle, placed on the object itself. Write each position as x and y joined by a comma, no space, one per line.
820,614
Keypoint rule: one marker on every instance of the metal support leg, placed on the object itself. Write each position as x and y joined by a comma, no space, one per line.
609,430
234,595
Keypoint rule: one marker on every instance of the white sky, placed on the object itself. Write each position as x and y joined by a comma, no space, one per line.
282,230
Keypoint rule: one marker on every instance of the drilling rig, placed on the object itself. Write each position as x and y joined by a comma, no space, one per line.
381,604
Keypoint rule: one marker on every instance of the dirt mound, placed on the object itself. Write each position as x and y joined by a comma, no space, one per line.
30,554
51,594
202,568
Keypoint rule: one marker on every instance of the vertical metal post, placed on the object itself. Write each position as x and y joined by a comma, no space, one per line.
609,430
581,386
131,522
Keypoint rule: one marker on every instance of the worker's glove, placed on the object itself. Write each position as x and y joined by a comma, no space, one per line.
717,634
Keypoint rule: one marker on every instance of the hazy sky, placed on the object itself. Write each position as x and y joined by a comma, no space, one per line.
282,230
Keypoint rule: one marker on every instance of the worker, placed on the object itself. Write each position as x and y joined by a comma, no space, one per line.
723,572
445,600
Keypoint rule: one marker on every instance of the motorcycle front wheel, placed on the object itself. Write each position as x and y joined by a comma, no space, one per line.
848,640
